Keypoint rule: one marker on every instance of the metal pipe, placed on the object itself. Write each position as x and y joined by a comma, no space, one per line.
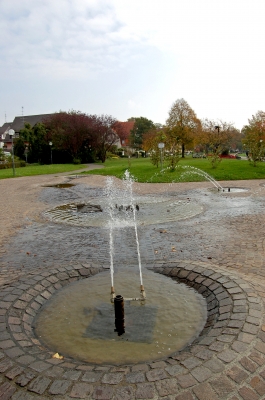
142,291
119,315
112,294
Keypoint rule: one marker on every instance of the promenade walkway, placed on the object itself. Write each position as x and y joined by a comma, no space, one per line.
219,251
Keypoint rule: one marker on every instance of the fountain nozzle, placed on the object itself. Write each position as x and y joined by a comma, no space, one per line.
142,291
112,294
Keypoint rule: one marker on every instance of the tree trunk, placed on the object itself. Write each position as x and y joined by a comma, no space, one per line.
182,150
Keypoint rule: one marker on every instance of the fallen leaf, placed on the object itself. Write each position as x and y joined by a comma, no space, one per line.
57,355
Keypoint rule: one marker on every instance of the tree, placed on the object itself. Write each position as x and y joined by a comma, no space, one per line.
182,123
254,137
216,136
85,137
70,132
19,147
37,138
170,152
105,132
141,126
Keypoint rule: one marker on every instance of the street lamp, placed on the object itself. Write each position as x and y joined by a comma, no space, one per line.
50,144
218,128
161,146
11,133
26,153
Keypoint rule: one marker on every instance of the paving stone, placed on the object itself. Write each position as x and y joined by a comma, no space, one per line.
39,385
222,386
237,374
205,392
239,347
55,371
250,328
140,367
248,364
5,365
248,394
260,347
59,387
113,378
167,387
125,393
204,354
217,346
14,372
39,366
246,337
227,356
103,393
6,391
81,390
191,362
71,375
201,373
184,396
257,357
258,385
186,381
135,377
214,365
25,378
145,391
175,370
6,344
92,376
26,359
155,375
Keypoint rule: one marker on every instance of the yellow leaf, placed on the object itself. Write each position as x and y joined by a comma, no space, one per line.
57,355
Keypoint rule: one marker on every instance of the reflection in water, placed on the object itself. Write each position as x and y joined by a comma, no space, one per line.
78,321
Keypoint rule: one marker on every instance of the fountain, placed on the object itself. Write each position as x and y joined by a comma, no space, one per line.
79,322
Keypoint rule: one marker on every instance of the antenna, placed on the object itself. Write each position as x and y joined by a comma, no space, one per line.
5,117
23,116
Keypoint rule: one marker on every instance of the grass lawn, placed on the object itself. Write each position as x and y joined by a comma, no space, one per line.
186,171
30,170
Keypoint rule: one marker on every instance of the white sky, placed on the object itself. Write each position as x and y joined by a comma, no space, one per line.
132,58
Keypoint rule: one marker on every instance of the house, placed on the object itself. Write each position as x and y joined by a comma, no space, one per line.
4,134
17,125
125,132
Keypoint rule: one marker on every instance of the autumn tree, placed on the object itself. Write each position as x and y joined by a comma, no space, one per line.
105,132
215,136
69,132
150,143
182,123
85,137
141,126
170,151
254,137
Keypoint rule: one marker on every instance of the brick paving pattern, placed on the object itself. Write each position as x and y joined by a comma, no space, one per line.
219,252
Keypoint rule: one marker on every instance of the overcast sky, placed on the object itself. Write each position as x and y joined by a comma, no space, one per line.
133,58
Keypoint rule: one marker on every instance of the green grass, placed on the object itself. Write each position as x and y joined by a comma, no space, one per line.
31,170
143,171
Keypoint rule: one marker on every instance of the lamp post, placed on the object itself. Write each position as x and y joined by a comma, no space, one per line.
161,146
50,144
11,133
26,153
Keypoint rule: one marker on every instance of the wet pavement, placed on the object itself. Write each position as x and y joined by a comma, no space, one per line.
219,251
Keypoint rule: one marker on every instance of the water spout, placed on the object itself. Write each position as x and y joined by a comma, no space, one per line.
119,315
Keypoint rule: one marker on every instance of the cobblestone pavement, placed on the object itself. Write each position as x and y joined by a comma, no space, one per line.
219,252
